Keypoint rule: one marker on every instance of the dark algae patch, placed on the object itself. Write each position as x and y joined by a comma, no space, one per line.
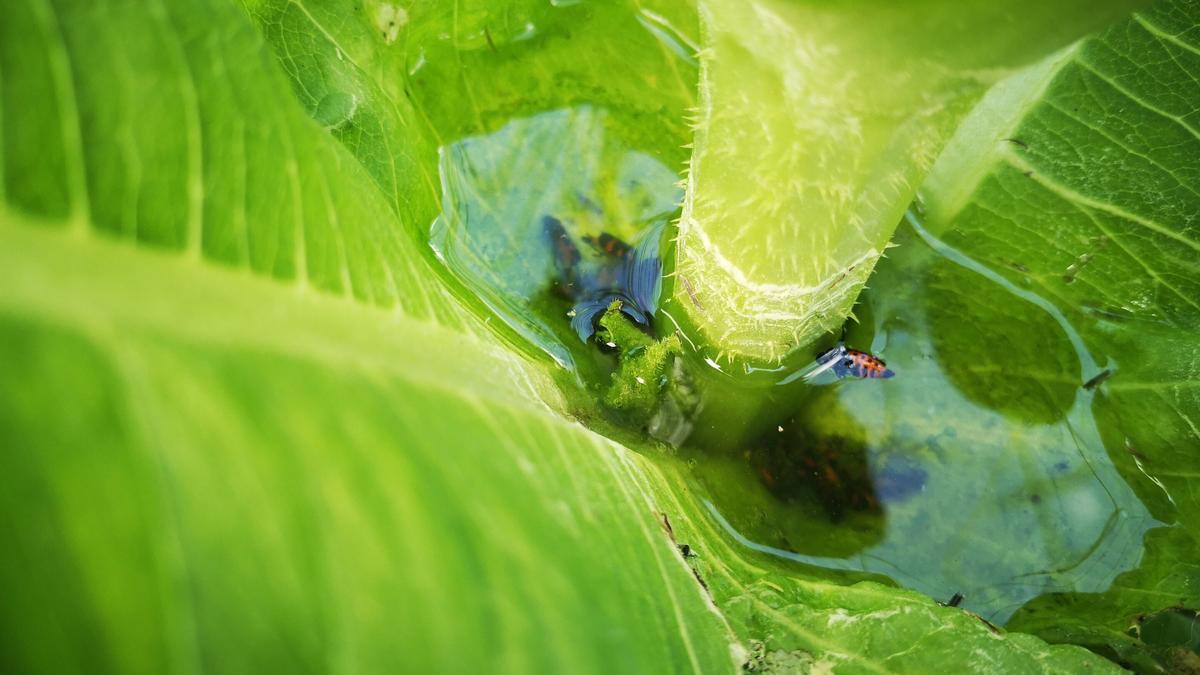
833,470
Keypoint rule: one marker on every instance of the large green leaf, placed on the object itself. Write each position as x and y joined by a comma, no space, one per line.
1077,181
273,480
239,489
247,427
817,122
276,442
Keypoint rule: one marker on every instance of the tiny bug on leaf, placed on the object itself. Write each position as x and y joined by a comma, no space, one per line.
846,362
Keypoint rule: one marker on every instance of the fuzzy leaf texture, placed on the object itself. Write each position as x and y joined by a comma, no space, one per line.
816,123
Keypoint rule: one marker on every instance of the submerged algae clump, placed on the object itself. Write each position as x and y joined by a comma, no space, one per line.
641,379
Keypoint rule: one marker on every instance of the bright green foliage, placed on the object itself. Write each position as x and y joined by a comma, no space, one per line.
246,424
1079,183
244,427
536,111
817,122
277,480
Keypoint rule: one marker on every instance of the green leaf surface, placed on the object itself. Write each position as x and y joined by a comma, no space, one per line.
276,482
247,425
817,122
1077,182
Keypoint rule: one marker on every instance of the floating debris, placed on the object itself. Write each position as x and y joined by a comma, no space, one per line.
1098,379
954,601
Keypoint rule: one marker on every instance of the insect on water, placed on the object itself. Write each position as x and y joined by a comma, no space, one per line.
845,362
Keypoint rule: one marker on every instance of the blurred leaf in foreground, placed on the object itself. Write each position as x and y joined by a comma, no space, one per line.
817,122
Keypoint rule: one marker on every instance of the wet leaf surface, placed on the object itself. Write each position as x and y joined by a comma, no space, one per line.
249,415
1096,210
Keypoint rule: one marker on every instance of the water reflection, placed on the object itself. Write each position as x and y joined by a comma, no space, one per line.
566,171
613,271
978,469
999,495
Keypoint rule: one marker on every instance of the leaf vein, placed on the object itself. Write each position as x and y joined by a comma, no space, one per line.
69,120
1071,195
1136,99
1164,35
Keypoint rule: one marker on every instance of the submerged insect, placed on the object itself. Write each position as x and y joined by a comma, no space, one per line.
846,362
618,271
607,244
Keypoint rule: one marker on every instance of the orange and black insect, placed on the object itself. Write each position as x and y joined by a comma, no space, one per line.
864,365
851,362
607,244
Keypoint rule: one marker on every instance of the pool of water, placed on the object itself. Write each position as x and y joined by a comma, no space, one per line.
503,191
980,469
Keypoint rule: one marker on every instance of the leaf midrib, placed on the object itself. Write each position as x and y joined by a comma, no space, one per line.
95,281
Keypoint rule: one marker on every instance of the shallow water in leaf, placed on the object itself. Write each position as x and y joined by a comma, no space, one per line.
979,469
565,111
499,191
